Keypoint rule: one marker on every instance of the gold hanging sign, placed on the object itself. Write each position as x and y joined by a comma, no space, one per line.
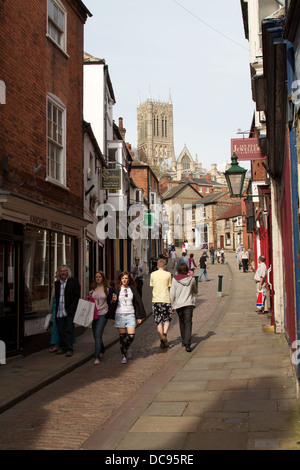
110,179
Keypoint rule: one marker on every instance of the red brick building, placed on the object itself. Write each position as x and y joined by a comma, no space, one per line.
41,143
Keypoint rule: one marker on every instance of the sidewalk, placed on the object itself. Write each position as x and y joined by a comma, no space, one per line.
236,390
22,376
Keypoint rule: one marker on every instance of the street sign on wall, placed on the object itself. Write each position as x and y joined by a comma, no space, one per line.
148,221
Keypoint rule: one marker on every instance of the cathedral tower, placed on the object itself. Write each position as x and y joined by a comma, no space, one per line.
155,142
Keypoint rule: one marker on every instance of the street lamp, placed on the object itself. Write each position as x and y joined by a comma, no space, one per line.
235,177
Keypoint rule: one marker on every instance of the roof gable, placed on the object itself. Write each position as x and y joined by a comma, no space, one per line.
171,193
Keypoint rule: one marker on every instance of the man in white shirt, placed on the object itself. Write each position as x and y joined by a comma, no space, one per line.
260,278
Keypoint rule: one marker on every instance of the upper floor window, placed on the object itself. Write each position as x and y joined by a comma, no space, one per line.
56,138
57,20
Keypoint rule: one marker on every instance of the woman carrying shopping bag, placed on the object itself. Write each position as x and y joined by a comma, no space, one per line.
101,294
126,309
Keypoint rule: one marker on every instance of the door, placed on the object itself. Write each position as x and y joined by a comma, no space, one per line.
10,295
222,241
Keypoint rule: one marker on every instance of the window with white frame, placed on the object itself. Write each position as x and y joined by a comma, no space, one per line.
56,131
57,23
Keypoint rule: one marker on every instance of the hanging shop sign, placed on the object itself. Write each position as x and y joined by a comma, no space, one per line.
246,149
110,179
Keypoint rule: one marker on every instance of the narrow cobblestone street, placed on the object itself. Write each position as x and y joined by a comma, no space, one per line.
64,414
236,390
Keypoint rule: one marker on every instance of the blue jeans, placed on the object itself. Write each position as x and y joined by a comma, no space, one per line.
203,271
98,328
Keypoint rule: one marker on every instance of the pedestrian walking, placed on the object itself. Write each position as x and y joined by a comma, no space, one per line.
126,309
222,256
192,264
203,267
101,293
260,278
218,256
245,260
67,294
182,298
173,257
55,340
183,259
212,255
137,273
160,280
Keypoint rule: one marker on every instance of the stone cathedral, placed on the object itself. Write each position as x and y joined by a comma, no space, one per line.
155,139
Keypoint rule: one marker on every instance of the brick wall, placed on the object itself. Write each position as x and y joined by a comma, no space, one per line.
139,174
31,66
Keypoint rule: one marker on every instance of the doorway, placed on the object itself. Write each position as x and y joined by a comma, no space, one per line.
10,325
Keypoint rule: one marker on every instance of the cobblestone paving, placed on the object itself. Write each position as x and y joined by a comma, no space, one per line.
64,414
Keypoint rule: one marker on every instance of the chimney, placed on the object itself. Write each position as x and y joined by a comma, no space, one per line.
122,130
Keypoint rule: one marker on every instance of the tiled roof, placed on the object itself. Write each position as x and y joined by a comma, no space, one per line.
233,211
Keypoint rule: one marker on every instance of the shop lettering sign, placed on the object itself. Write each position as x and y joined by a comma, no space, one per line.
45,223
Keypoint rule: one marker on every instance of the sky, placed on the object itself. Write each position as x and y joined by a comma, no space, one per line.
194,50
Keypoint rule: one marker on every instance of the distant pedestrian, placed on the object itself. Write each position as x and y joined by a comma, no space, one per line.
173,257
222,256
160,280
245,260
126,309
218,255
260,278
67,295
137,273
203,267
251,260
212,255
183,259
182,299
192,264
183,248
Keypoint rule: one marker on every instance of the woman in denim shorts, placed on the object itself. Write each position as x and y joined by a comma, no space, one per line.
126,309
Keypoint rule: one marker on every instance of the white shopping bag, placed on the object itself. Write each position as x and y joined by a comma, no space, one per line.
84,314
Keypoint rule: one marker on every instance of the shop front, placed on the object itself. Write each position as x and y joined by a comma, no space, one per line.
34,242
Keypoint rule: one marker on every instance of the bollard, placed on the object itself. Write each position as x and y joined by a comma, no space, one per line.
220,286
